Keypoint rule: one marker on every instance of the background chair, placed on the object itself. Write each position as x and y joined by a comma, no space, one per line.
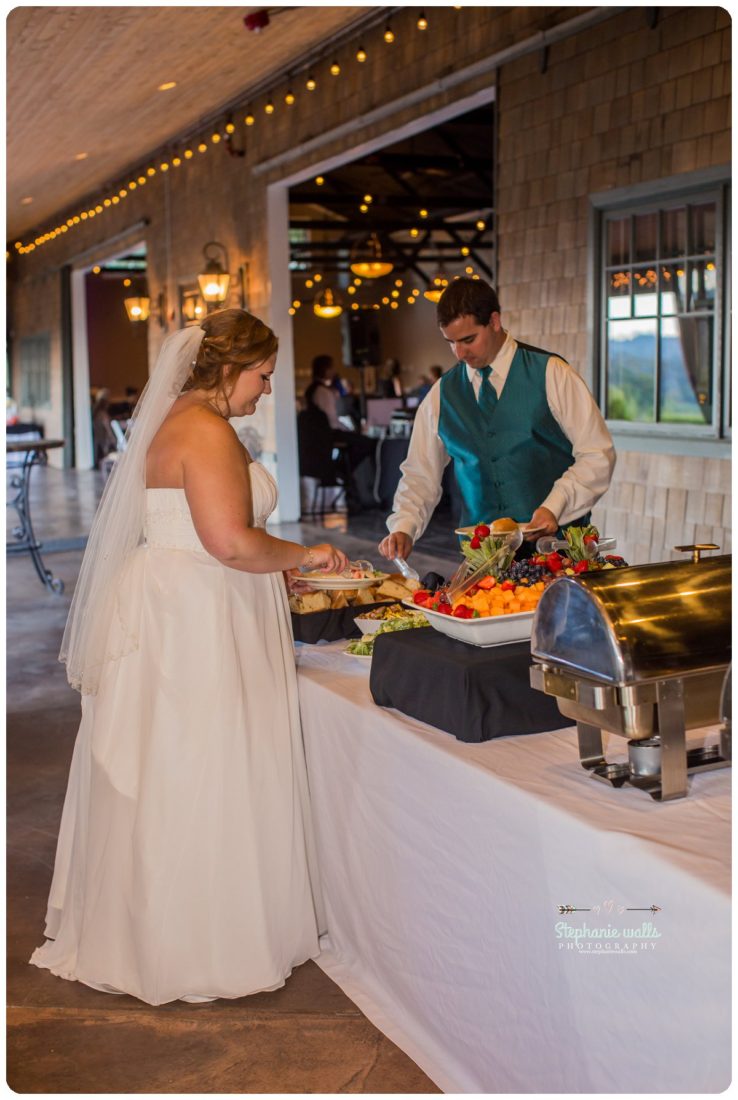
321,459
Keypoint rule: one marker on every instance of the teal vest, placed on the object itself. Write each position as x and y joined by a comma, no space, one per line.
506,465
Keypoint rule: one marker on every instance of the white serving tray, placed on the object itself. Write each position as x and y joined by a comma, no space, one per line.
485,631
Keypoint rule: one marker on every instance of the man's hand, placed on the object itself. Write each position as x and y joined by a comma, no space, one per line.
542,522
398,545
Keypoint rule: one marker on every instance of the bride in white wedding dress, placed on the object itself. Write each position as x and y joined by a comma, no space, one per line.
185,863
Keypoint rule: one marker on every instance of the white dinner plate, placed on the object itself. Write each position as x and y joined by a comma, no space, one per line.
487,630
329,582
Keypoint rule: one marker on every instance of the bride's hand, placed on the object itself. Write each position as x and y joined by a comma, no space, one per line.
325,558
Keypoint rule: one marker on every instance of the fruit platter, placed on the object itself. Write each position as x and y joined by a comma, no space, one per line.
492,597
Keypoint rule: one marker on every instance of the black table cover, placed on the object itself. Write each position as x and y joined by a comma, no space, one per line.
475,694
331,625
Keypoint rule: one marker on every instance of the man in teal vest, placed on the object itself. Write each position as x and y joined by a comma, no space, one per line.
525,434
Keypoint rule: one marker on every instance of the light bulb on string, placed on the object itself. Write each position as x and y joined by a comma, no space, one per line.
361,55
289,98
389,34
269,108
422,22
230,128
188,154
481,226
202,147
249,119
319,180
310,83
215,138
335,69
151,171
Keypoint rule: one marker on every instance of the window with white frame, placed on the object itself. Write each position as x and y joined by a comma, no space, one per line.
662,348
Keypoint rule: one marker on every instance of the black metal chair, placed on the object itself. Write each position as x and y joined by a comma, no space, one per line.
322,459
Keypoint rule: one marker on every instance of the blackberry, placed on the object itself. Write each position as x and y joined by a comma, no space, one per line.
526,572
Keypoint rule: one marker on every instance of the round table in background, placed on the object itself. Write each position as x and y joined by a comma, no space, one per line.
34,452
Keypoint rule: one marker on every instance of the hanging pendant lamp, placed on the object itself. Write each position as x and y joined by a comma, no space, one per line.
367,260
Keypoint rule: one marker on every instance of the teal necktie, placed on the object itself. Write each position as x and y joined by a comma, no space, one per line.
487,400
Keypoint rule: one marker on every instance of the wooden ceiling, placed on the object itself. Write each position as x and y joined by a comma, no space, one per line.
85,80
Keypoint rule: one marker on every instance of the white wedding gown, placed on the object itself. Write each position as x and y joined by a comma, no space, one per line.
185,863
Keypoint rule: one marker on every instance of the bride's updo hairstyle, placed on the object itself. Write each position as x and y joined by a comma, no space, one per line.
233,338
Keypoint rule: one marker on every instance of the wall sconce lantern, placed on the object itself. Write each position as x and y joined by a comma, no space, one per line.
327,304
214,281
138,309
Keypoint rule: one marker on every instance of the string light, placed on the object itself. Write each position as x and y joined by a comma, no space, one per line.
317,277
292,311
394,305
351,290
481,226
228,129
309,284
126,282
96,271
398,282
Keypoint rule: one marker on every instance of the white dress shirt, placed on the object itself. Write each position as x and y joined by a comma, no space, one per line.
572,407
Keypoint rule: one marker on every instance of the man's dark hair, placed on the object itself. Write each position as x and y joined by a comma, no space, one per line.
321,367
466,297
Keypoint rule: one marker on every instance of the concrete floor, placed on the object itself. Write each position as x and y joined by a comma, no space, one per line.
64,1037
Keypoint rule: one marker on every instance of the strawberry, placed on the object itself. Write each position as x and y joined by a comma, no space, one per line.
481,531
462,612
475,543
508,586
422,596
588,540
487,583
473,590
554,562
444,608
581,566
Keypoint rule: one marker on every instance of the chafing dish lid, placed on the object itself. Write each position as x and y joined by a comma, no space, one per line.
644,622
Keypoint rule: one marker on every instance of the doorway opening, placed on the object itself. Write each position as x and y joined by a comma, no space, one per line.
420,203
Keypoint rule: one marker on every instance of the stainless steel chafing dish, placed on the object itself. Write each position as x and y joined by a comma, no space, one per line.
641,652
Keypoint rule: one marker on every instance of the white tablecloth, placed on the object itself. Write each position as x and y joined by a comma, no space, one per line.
443,866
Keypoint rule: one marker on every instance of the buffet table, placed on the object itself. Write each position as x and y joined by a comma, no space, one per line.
444,866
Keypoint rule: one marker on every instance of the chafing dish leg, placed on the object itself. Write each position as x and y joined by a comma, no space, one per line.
590,746
670,695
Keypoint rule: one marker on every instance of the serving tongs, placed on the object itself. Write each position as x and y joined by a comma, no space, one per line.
466,576
549,543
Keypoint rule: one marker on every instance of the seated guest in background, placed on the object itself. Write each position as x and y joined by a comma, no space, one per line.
391,385
527,438
103,436
321,392
426,382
